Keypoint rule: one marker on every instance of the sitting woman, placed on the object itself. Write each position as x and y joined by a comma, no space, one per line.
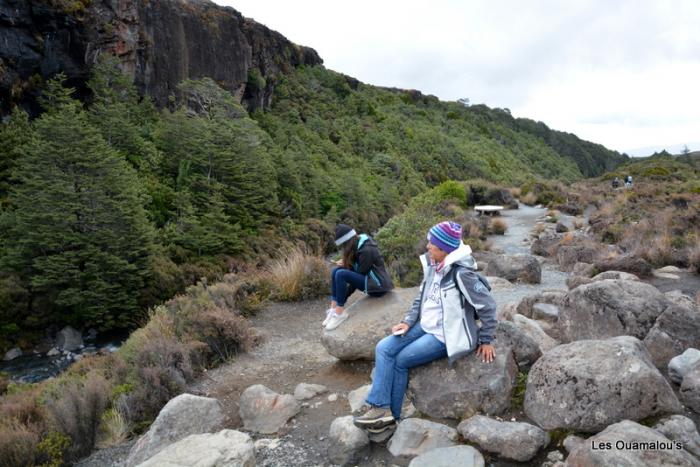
441,323
362,267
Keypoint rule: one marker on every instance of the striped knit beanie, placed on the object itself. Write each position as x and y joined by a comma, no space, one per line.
446,236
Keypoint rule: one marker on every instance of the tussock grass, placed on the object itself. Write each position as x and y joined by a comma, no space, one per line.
298,275
498,226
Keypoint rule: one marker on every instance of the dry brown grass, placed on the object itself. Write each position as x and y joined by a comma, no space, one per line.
530,199
515,191
114,429
498,226
18,444
298,275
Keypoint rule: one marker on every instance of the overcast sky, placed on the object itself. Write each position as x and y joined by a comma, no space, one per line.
623,73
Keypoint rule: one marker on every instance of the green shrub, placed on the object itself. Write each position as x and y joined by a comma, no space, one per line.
54,446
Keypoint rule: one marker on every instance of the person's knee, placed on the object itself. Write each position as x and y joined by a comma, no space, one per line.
383,347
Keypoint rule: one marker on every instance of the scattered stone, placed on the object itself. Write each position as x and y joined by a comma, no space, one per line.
505,311
583,269
91,334
681,429
511,440
305,391
625,276
516,267
227,447
626,263
679,298
587,385
677,329
553,297
665,275
682,364
690,389
561,228
525,350
182,416
569,255
266,443
13,353
416,436
332,397
370,319
625,439
546,244
534,330
69,339
467,387
572,441
455,456
670,269
264,411
347,443
546,312
610,308
498,283
576,281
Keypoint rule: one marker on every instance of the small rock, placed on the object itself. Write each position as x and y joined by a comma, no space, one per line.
347,443
682,364
333,397
546,312
264,411
511,440
455,456
415,436
69,338
572,441
681,429
12,354
690,389
305,391
533,329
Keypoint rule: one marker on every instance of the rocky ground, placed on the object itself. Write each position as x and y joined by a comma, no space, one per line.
292,352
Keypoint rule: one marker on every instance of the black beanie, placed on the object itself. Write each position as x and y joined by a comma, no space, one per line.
343,233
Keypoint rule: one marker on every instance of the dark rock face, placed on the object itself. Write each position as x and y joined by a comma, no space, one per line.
159,43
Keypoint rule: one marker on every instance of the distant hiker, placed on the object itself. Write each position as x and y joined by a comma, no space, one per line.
441,323
628,181
615,183
362,267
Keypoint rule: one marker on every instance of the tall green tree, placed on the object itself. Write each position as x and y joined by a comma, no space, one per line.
78,233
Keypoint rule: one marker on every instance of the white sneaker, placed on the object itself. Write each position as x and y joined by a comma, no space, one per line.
336,320
329,314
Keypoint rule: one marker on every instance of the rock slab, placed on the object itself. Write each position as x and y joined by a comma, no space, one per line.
525,268
264,411
228,448
588,385
511,440
370,319
467,387
347,443
682,364
182,416
681,429
416,436
455,456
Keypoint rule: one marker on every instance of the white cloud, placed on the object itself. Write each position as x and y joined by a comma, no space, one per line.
618,73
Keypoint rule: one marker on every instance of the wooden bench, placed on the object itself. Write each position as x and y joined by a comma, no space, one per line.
487,208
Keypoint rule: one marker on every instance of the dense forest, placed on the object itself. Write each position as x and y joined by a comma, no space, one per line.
111,206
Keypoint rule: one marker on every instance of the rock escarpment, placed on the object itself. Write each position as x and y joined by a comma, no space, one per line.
158,43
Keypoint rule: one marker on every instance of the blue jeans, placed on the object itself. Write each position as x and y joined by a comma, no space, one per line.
343,283
393,357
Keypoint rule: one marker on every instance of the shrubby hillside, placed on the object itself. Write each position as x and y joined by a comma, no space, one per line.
110,206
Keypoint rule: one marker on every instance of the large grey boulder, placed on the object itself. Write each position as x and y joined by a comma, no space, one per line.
467,387
346,443
182,416
587,385
621,275
546,244
525,268
416,436
225,448
675,330
610,308
681,299
681,429
682,364
455,456
264,411
534,330
370,319
511,440
626,441
525,350
690,389
69,339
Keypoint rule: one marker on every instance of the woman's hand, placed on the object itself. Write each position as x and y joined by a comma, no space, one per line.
486,352
399,327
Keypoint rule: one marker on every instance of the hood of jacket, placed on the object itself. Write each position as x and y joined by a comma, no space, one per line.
462,256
